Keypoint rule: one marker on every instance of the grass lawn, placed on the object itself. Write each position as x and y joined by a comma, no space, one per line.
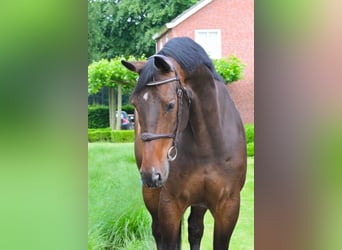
117,218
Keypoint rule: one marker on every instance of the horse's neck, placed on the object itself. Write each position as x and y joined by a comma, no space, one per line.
204,114
209,112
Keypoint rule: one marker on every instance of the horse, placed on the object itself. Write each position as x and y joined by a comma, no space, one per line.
190,145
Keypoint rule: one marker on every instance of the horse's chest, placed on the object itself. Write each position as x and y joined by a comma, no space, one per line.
192,184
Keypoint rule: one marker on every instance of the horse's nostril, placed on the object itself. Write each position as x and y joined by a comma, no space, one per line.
151,179
156,177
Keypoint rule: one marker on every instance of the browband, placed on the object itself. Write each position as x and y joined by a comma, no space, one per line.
163,81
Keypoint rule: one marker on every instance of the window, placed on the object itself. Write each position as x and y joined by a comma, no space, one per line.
160,43
210,40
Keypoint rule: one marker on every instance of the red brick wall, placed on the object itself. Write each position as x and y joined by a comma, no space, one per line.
235,19
242,94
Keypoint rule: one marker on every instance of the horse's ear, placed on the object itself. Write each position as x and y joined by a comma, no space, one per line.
162,63
133,66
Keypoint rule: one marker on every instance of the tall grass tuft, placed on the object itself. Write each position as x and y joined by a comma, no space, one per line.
117,217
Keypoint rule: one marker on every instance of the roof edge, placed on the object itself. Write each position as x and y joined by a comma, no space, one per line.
161,32
187,13
181,17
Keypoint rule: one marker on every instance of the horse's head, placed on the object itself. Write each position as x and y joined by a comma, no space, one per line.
159,103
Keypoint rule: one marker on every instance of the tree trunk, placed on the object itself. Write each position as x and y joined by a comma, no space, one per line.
118,122
112,107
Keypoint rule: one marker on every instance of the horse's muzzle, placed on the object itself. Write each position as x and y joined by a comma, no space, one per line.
152,179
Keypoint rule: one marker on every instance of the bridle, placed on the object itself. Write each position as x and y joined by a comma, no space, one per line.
181,91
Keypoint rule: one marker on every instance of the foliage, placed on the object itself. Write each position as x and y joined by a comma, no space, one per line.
109,135
98,117
126,27
250,149
231,69
129,108
110,73
122,136
117,218
96,30
99,135
249,129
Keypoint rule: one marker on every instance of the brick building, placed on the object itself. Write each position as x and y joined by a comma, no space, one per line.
222,27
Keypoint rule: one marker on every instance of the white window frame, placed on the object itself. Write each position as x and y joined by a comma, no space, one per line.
218,49
160,43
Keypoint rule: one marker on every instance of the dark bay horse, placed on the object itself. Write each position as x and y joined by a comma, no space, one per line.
189,144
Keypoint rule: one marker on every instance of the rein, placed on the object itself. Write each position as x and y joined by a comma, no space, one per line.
172,152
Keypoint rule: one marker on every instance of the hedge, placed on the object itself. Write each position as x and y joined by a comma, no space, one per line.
98,116
231,69
249,129
108,135
129,108
250,149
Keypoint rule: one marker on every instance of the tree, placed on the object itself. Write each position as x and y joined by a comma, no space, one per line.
125,27
112,74
96,34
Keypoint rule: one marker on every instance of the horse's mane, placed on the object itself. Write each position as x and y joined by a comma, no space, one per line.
187,53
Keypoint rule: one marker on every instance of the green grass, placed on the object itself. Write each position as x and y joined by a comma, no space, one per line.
117,217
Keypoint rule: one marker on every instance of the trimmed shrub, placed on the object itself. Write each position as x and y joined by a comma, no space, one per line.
122,136
94,136
129,108
231,69
108,135
249,129
250,149
98,117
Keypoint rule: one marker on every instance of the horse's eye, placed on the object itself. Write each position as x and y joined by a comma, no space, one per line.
170,106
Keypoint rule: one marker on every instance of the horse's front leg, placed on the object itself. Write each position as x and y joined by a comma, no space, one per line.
225,216
151,199
170,214
196,226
